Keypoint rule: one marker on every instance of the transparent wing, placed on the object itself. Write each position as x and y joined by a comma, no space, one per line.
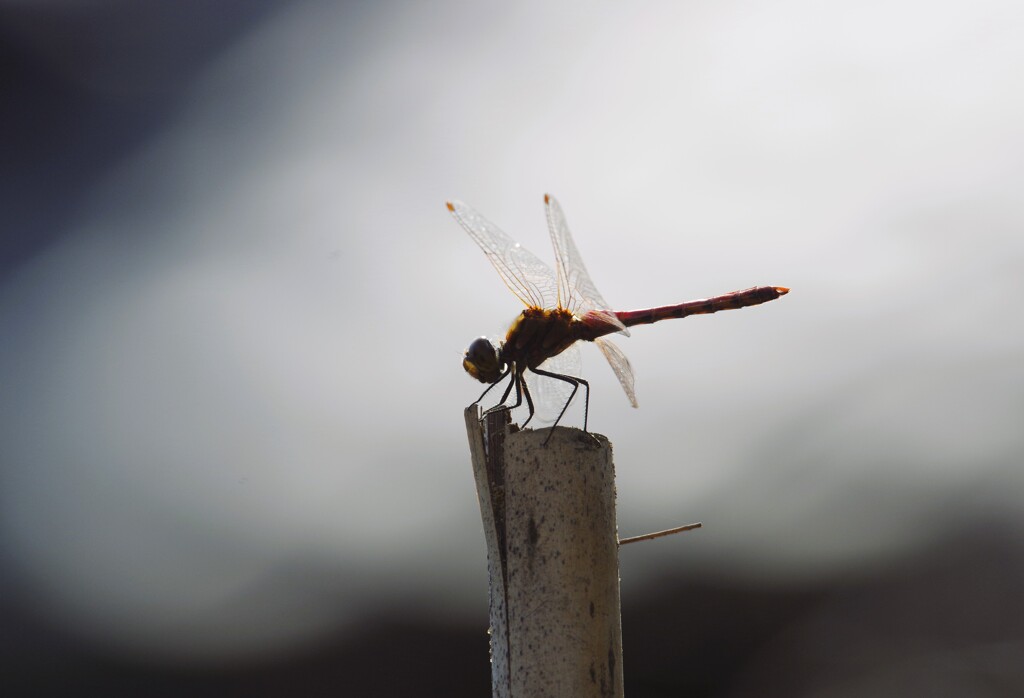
530,279
620,365
549,394
576,291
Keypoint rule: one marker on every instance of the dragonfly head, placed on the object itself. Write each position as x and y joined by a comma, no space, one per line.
482,361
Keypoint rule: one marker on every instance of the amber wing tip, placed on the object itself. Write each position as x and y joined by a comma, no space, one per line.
781,290
547,198
450,206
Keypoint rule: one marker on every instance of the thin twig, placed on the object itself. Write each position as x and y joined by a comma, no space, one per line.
659,534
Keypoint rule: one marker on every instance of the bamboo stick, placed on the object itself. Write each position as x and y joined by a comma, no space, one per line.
552,559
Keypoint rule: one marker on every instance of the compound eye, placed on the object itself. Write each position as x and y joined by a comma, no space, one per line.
481,361
480,349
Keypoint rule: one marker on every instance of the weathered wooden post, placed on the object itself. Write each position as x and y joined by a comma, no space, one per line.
552,559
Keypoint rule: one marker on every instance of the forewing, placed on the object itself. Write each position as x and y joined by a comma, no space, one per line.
576,290
530,279
620,365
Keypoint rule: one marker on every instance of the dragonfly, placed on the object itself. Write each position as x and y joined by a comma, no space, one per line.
563,307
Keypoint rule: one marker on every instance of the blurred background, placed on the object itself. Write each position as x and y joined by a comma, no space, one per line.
233,306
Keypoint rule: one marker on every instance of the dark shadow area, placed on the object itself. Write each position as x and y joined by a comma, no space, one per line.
949,617
83,85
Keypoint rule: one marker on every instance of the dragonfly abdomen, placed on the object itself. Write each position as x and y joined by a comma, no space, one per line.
728,301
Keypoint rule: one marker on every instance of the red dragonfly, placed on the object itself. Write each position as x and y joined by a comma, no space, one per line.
561,309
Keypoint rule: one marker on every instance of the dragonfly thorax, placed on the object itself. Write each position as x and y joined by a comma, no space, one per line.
539,334
483,361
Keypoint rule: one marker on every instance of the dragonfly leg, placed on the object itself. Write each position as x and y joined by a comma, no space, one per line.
575,383
517,381
484,393
529,400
